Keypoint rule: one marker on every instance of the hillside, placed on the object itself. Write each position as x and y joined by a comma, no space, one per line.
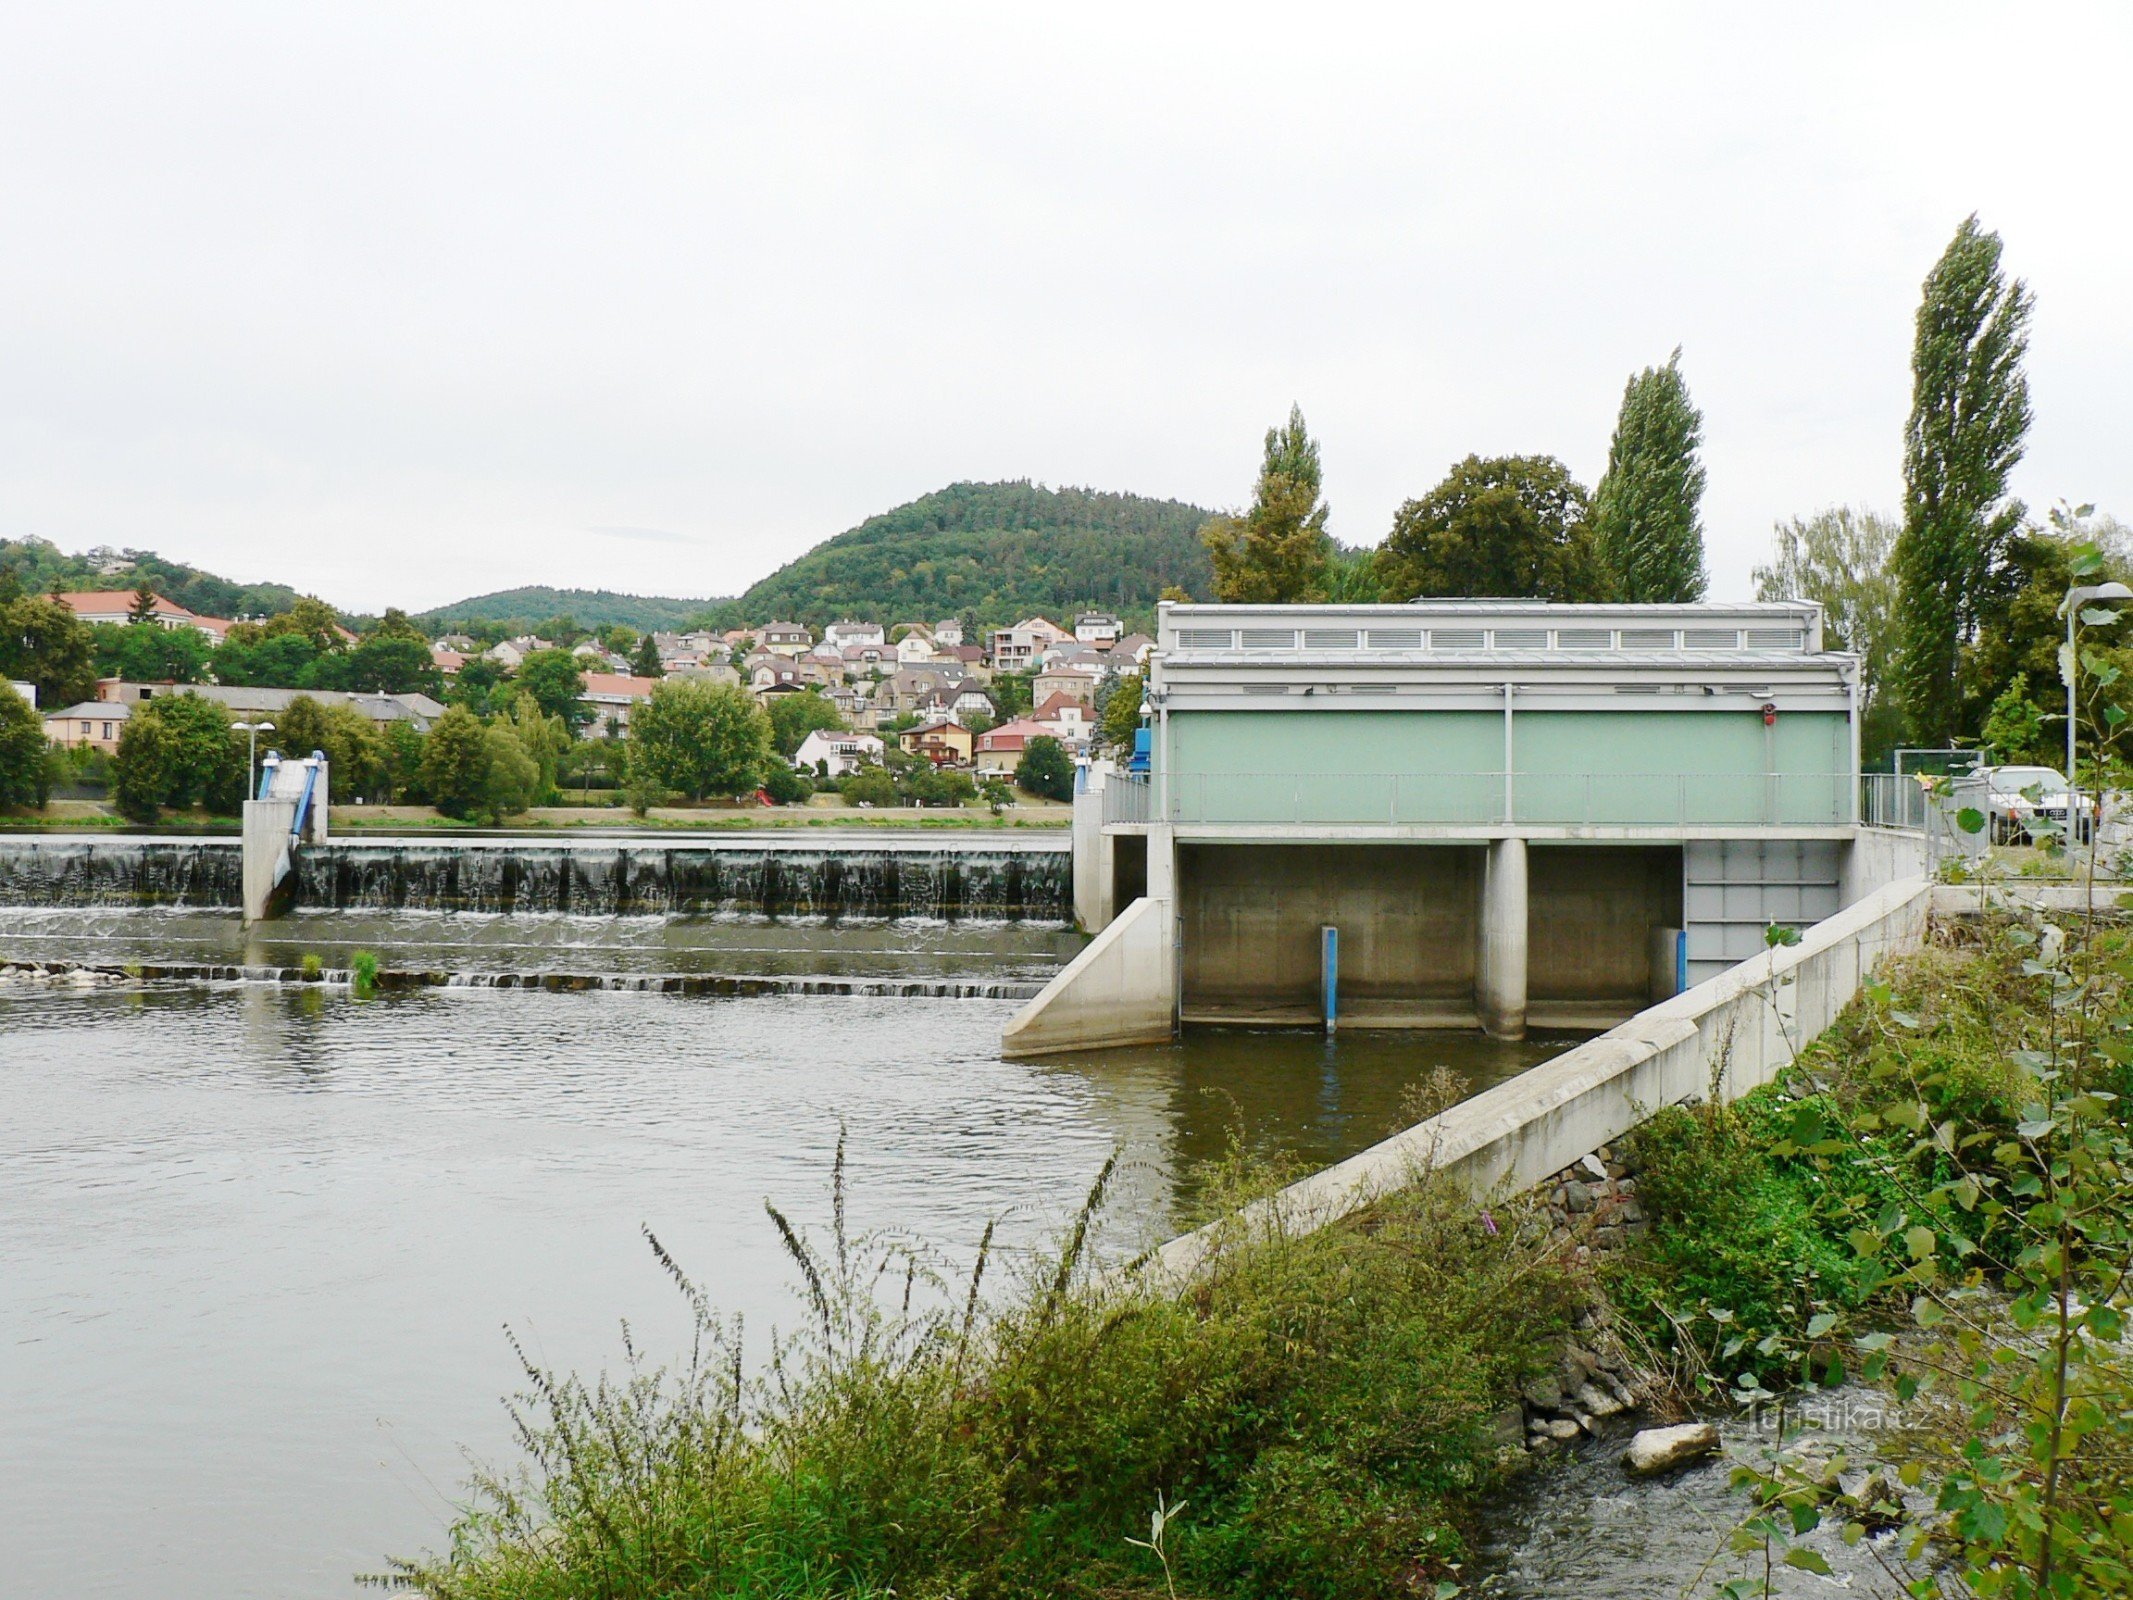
590,608
40,567
996,551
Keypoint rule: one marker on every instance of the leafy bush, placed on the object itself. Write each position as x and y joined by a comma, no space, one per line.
785,786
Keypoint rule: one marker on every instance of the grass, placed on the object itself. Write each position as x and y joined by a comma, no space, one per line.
1313,1419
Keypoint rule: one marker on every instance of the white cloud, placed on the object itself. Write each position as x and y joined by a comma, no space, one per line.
404,302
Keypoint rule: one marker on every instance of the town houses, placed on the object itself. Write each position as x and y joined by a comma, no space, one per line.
923,688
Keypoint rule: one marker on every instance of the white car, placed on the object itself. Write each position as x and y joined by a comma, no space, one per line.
2015,799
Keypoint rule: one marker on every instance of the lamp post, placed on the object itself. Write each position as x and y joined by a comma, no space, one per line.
251,759
2076,598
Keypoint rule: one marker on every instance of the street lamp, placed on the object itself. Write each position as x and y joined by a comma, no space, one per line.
2076,597
251,759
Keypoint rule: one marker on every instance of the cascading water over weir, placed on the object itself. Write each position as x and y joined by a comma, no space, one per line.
945,879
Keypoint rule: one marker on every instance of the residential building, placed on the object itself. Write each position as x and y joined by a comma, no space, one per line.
1074,719
115,606
28,691
716,670
948,632
942,740
867,658
1076,680
784,639
93,722
446,661
915,647
847,633
1130,653
770,674
610,696
512,652
1015,649
251,702
1099,628
460,643
598,658
838,752
999,751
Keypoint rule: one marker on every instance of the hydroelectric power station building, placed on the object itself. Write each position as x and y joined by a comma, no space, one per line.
1511,813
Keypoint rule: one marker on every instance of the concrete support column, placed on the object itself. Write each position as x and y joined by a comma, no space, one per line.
1500,973
266,853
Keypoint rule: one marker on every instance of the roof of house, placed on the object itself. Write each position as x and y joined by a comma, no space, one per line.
617,686
1013,735
1057,701
89,710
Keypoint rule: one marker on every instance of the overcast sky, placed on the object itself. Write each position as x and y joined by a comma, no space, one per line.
400,303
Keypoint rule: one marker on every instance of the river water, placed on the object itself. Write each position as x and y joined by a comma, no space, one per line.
261,1242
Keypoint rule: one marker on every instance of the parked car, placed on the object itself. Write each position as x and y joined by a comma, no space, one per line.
2016,798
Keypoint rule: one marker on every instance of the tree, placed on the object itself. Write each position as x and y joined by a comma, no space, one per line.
392,663
44,643
455,763
401,779
794,716
476,685
152,654
24,769
249,656
544,738
354,749
1969,414
1839,558
785,786
511,778
553,679
1119,719
2014,728
142,613
175,751
1277,551
1045,770
701,738
310,619
869,786
645,663
1645,519
1504,527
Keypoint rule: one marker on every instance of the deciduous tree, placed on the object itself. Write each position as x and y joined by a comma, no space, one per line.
1839,558
175,751
1045,770
794,716
1969,415
44,643
1646,512
1277,551
23,763
455,763
553,679
701,738
1513,527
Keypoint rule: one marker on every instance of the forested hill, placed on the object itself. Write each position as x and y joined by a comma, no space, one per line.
589,608
997,551
39,567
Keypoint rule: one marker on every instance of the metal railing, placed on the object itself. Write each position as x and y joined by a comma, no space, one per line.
1897,800
1127,798
1571,799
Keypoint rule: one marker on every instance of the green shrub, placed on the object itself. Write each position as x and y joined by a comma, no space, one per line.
363,972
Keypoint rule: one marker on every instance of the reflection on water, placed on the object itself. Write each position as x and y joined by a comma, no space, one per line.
260,1243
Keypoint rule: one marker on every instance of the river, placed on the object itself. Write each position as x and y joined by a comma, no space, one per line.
262,1241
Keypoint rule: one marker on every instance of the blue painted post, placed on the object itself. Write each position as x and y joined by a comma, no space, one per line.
1681,959
1329,964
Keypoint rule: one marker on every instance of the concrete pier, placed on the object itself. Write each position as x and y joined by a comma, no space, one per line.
1500,970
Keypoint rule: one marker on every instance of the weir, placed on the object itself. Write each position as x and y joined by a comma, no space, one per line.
948,880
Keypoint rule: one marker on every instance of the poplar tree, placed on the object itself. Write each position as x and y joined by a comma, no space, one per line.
1277,551
1969,415
1645,511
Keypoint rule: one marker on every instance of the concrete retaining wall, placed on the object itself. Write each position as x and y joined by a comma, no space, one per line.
1723,1037
1117,991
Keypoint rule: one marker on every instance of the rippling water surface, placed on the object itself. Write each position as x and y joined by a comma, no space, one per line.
260,1244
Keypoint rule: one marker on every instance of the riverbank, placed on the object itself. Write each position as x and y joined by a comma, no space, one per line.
71,816
1331,1414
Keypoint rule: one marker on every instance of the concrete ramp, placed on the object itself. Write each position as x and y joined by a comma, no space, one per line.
1120,990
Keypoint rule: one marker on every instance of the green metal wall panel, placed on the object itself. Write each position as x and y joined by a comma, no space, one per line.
1650,765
